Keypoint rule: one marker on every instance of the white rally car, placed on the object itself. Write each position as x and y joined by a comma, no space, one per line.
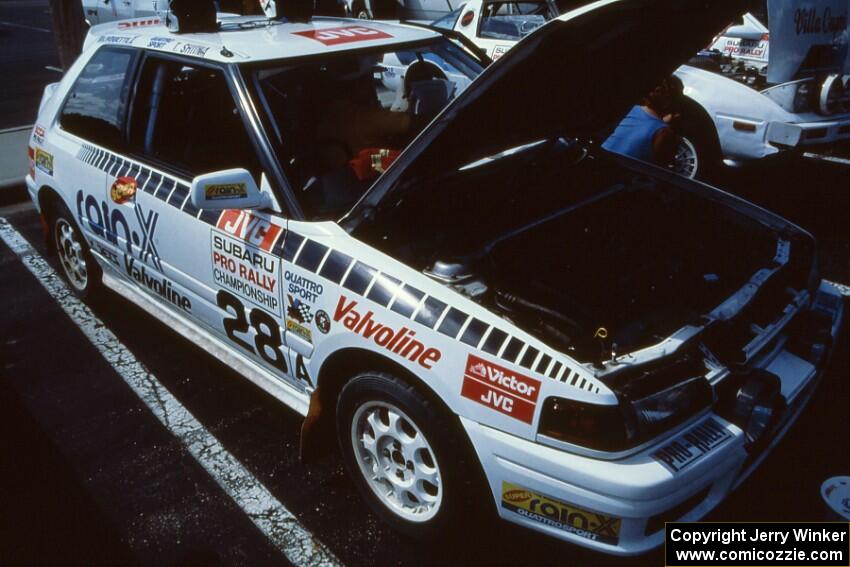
496,25
506,318
731,114
101,11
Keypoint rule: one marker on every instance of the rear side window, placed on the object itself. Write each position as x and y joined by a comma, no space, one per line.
185,119
96,105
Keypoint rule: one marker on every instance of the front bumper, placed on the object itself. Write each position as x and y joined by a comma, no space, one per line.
619,507
808,133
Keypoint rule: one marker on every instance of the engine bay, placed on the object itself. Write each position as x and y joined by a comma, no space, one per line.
589,256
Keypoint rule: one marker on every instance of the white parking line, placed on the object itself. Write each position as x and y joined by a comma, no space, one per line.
277,523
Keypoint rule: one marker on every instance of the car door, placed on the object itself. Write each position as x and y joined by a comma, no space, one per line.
215,267
89,132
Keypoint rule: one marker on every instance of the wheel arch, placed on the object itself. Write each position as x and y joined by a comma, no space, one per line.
317,431
47,199
691,108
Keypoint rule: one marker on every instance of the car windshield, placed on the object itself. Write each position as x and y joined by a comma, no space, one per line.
448,21
513,20
339,121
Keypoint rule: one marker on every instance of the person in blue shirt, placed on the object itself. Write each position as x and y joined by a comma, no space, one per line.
645,132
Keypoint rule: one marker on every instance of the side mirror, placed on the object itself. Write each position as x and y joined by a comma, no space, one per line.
227,189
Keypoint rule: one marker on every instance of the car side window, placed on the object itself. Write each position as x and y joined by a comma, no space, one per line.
185,118
96,104
512,21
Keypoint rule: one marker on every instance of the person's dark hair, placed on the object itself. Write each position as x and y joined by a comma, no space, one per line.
422,70
666,97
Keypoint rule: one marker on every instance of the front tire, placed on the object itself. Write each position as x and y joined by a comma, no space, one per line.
405,455
698,155
77,265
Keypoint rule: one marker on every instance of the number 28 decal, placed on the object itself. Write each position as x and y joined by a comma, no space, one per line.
267,336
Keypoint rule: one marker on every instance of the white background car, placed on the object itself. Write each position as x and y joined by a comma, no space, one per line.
495,26
724,119
102,11
747,41
505,316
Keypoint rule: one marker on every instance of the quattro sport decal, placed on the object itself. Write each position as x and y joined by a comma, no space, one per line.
560,515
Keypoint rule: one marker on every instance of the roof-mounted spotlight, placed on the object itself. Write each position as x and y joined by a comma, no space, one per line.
192,16
295,10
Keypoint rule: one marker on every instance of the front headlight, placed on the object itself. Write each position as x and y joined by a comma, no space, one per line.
804,97
629,424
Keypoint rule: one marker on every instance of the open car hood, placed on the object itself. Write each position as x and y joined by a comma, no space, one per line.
576,76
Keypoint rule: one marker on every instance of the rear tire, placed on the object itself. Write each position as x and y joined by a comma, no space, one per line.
406,456
76,263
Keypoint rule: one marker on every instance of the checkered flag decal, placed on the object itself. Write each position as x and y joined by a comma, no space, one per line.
299,310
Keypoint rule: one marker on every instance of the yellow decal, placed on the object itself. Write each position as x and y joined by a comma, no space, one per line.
123,189
44,161
226,191
560,515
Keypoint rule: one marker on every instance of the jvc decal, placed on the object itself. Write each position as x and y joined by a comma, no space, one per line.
501,389
254,230
344,34
111,224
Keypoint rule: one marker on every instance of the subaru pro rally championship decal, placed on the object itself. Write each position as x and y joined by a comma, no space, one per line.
241,259
560,515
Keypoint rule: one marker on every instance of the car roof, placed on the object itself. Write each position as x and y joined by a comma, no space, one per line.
263,39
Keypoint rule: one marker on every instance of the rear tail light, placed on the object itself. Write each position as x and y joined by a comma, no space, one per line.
31,161
804,97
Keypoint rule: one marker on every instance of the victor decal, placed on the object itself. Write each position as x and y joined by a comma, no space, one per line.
501,389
